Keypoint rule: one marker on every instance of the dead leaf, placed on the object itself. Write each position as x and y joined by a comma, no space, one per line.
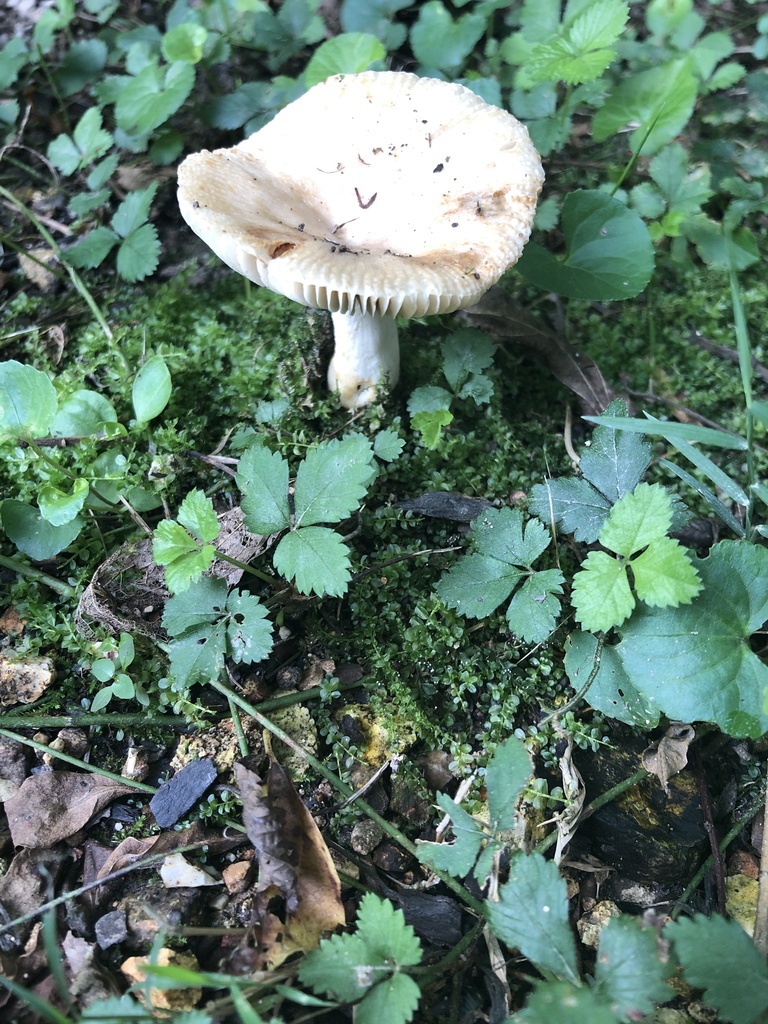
178,873
575,791
25,887
293,862
670,755
460,508
55,805
24,682
498,315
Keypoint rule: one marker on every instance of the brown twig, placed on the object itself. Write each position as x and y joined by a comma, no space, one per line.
709,828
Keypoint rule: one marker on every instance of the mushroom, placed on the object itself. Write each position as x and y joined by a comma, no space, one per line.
373,196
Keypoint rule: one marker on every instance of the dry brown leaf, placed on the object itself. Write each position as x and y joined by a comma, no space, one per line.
670,755
293,862
498,315
24,889
575,792
53,806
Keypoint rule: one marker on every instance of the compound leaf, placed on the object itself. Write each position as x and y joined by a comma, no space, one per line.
499,533
477,584
331,481
249,631
316,559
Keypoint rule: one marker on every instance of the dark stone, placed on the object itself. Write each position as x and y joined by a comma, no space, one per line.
175,797
111,929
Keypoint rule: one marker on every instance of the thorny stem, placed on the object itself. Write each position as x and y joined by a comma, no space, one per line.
394,833
63,589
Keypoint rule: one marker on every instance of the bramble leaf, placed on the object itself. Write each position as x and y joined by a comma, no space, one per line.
584,48
196,513
628,973
601,595
262,476
92,249
316,559
477,584
534,607
134,210
332,479
139,255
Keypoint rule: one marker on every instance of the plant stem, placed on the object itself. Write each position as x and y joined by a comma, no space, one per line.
247,568
745,366
63,589
391,830
87,719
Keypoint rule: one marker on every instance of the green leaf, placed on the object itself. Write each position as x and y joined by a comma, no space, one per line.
718,956
27,401
533,610
184,559
584,48
659,101
332,479
628,973
139,255
574,505
385,933
152,389
83,63
637,519
506,775
394,1000
615,462
93,249
83,414
13,56
196,513
345,54
609,254
458,857
31,533
316,559
185,42
134,210
59,507
387,446
198,656
171,541
499,533
376,17
262,477
123,687
429,399
154,96
249,631
440,42
103,669
430,425
601,595
466,352
101,699
477,584
679,431
200,606
562,1002
664,575
532,915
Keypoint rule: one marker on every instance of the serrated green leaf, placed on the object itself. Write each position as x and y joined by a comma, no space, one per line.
637,519
466,352
59,507
13,56
93,249
89,136
197,514
506,775
336,968
154,95
601,596
387,446
151,390
479,388
532,915
200,606
440,42
82,414
573,504
629,975
458,857
316,559
331,481
198,655
346,54
664,575
376,17
584,48
718,956
611,690
565,1003
64,154
609,254
28,401
430,425
385,934
394,1000
499,533
31,534
429,399
534,607
134,210
616,460
249,631
185,560
262,477
139,255
171,541
184,42
478,584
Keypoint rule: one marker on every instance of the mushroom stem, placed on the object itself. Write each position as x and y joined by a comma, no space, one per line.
366,354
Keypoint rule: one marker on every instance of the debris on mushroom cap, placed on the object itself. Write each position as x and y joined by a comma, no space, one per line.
380,193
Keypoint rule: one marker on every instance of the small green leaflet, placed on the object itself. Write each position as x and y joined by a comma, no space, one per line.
207,625
345,54
662,571
88,142
466,353
367,966
187,557
331,481
584,47
197,514
560,1001
151,389
612,466
628,973
262,477
457,858
387,446
316,559
28,401
440,42
59,507
503,555
532,915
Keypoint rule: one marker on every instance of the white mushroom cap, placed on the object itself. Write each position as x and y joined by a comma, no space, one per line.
381,195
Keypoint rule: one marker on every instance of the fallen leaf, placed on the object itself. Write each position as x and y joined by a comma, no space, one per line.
25,887
178,873
575,791
55,805
459,508
294,862
670,755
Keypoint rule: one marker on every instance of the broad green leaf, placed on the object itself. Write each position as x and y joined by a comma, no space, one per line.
394,1000
200,606
93,249
532,915
151,389
499,533
345,54
376,17
466,352
533,610
31,533
615,461
440,42
332,479
123,687
13,56
660,101
185,570
637,519
249,631
262,477
103,669
83,64
558,1002
506,775
316,559
692,663
184,42
479,388
429,399
601,596
584,48
387,446
82,414
477,584
719,957
609,254
198,655
139,255
27,401
60,507
458,857
101,699
628,973
154,95
126,650
134,210
197,514
572,504
664,575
